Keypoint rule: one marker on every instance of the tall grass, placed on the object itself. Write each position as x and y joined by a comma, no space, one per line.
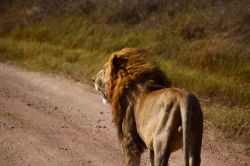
220,89
76,63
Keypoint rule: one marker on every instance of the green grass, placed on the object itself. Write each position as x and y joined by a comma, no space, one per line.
79,64
221,89
233,123
15,117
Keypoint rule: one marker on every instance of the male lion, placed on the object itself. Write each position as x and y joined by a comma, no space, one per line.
147,112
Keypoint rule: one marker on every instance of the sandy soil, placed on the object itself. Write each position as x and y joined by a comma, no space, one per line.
49,120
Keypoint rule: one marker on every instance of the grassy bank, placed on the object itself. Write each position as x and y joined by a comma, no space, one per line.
76,63
202,47
215,67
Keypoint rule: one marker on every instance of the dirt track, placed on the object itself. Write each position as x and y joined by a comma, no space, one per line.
49,120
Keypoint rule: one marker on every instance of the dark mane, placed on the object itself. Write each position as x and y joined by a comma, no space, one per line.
132,68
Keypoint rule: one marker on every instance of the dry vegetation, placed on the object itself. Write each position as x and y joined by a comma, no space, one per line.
203,46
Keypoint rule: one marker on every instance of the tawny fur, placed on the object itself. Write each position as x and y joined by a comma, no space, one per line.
147,112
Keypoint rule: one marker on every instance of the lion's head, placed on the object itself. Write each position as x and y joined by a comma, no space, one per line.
100,85
128,74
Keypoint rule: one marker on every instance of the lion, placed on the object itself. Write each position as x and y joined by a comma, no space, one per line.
147,111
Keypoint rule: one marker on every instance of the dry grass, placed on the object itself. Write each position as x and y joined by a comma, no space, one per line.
76,63
232,123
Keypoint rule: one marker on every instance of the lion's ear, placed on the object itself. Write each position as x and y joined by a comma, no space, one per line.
119,62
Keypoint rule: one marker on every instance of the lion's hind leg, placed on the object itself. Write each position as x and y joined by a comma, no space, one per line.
165,139
161,155
161,146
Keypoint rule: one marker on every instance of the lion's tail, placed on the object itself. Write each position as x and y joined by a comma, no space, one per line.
186,113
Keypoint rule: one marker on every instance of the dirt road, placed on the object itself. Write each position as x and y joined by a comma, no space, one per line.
48,120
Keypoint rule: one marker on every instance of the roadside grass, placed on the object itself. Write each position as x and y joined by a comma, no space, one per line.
82,64
220,89
76,63
15,117
222,53
232,123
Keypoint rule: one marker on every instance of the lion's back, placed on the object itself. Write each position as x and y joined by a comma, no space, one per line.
153,110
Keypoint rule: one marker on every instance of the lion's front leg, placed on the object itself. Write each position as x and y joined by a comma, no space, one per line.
132,155
131,141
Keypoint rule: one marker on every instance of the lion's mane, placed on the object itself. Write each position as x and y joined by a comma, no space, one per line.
133,73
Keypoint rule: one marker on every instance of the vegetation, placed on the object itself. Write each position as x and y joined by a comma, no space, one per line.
202,46
14,117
